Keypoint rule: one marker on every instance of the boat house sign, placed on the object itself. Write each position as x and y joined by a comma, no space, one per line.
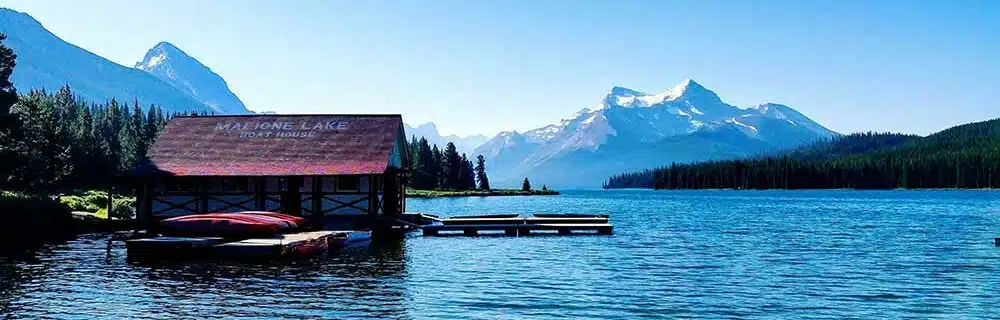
280,129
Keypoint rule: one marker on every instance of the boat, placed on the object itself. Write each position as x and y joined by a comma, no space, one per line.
230,224
300,221
349,238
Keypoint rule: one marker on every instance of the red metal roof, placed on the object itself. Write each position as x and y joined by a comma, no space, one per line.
274,145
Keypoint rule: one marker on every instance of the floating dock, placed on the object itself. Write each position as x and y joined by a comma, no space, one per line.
292,244
514,225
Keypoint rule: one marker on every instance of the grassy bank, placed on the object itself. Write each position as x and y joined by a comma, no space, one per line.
96,204
413,193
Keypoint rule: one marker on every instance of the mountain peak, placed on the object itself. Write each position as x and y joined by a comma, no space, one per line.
427,126
17,16
174,66
617,91
159,54
688,86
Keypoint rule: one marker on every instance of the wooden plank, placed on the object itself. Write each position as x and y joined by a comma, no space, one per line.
275,246
589,226
566,220
487,216
484,221
170,246
569,215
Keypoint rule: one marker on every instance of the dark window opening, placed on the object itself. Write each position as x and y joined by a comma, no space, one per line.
178,184
235,184
348,183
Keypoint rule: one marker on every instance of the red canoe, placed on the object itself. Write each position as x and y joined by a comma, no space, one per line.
297,220
235,224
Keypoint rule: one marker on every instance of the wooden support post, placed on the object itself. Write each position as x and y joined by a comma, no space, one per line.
317,196
111,190
472,232
996,242
524,232
430,232
146,217
510,232
261,184
372,196
565,231
202,194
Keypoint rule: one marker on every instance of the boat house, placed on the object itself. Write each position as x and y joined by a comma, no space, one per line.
341,171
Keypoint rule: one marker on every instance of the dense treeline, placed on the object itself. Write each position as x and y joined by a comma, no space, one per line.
56,142
436,169
966,156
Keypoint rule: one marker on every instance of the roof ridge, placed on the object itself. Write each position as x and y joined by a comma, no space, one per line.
387,115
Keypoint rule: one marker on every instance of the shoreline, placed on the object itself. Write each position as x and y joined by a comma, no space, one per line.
425,194
819,189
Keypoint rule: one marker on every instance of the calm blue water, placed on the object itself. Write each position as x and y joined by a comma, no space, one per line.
691,254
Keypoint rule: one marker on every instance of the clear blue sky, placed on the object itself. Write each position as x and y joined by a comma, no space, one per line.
488,66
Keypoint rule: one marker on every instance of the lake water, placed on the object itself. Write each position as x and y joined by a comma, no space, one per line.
685,254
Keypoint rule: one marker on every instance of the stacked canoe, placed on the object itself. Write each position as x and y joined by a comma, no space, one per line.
231,225
240,234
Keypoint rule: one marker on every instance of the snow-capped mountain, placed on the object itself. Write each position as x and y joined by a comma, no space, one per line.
44,61
630,130
429,130
174,66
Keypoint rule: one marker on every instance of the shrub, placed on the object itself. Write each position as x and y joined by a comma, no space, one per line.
78,203
97,198
123,208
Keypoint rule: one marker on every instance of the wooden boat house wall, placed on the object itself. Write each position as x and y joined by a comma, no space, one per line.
351,167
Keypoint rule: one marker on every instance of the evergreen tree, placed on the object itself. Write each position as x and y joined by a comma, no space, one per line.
425,166
452,167
8,96
44,159
411,151
480,169
526,185
435,170
133,145
467,174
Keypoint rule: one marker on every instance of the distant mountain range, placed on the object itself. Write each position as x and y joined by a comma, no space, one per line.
630,130
167,77
429,130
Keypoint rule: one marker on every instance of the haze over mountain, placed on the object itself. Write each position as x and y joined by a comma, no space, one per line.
429,130
171,64
629,130
44,61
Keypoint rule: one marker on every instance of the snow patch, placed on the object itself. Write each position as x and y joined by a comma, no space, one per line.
154,61
733,121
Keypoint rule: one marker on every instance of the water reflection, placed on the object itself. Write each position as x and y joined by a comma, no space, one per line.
360,282
705,254
90,277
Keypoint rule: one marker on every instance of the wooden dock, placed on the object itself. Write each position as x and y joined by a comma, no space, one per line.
512,225
292,244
